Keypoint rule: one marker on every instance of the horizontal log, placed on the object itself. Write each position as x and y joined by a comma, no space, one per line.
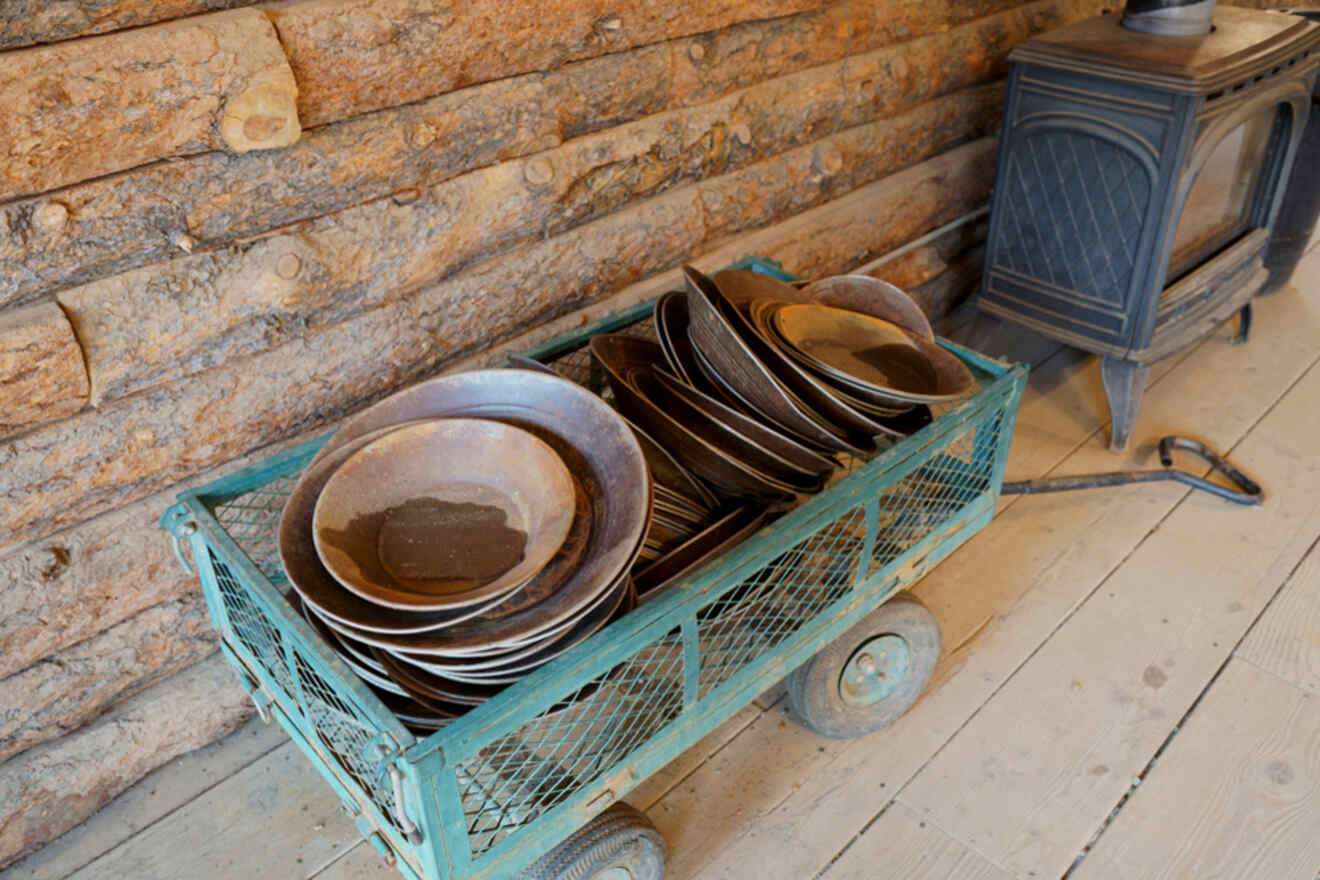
877,218
28,22
49,789
951,286
42,374
805,177
73,687
72,585
127,451
251,298
77,110
125,220
922,264
116,223
356,56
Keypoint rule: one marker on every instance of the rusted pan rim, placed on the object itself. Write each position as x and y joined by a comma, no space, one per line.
714,335
617,354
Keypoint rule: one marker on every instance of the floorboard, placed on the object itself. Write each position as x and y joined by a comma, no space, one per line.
902,844
1036,773
157,795
1286,639
1236,794
275,818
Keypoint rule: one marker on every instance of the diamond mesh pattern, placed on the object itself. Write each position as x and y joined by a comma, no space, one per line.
329,720
1074,207
771,605
252,628
345,734
555,755
934,493
253,521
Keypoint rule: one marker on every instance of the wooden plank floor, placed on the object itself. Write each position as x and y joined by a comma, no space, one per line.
1129,687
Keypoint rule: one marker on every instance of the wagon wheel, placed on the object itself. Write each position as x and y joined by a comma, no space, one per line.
619,844
869,676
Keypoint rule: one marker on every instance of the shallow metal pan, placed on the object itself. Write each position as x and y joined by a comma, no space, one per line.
733,477
726,352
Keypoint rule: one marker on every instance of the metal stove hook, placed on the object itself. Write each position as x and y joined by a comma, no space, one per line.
1248,492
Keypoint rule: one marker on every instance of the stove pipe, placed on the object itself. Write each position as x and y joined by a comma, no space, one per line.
1169,18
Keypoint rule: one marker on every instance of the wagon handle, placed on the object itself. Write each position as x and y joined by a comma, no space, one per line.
1248,491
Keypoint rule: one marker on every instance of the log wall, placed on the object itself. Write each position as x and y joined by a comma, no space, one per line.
229,223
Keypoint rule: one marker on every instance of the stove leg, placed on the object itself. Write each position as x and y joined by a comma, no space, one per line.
1125,383
1244,326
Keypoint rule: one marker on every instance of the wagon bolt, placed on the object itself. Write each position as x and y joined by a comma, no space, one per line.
866,663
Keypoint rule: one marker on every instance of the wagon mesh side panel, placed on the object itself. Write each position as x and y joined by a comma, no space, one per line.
329,721
542,763
772,604
923,502
251,628
253,520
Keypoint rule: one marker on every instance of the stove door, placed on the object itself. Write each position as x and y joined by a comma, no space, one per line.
1067,254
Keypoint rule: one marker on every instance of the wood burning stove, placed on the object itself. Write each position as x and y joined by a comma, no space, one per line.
1138,178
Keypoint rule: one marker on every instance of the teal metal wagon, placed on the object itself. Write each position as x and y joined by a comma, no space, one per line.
525,782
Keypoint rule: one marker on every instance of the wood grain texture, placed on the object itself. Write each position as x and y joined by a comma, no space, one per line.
277,818
27,22
1286,639
155,796
901,844
49,789
67,690
1132,659
1236,793
42,373
195,312
76,110
356,56
78,582
113,224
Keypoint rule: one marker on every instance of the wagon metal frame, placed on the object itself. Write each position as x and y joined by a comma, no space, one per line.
509,780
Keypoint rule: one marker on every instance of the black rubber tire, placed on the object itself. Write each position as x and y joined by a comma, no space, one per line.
619,838
813,688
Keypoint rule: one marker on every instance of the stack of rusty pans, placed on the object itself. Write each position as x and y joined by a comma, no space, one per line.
454,537
857,339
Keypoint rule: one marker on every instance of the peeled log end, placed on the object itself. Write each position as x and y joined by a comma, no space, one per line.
265,115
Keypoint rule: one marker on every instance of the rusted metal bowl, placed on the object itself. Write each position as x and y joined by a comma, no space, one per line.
425,686
318,588
666,472
486,638
731,529
714,335
759,313
870,296
747,292
444,514
594,442
521,662
764,448
872,356
671,328
618,354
